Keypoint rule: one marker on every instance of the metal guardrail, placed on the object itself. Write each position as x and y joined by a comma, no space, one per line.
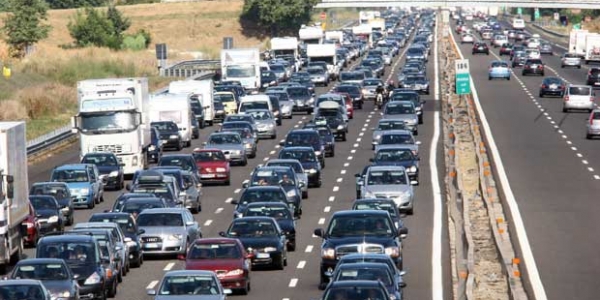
541,26
190,68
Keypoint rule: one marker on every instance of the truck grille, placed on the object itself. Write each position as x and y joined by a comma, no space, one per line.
358,248
108,148
151,239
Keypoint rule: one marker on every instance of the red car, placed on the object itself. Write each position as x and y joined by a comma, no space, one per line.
224,256
33,228
349,105
213,166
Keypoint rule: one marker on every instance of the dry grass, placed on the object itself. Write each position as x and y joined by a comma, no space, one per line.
42,88
341,17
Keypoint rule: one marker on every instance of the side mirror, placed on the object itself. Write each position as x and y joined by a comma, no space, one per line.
357,175
141,231
418,143
223,234
235,202
281,143
190,223
328,273
203,143
118,248
371,159
414,182
319,232
403,232
76,276
127,240
246,184
301,184
151,292
128,187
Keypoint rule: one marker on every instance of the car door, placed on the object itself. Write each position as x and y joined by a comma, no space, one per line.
191,225
280,234
95,181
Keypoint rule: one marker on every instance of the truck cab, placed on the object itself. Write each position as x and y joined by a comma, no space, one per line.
85,185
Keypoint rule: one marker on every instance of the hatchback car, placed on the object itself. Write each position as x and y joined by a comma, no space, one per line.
131,231
546,48
369,271
593,77
265,123
260,194
111,170
467,38
54,274
552,86
593,125
579,97
356,289
48,214
505,49
60,191
24,289
167,230
533,66
480,47
518,59
310,162
570,60
499,69
186,284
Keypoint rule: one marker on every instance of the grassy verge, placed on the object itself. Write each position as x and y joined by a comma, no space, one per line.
42,87
336,17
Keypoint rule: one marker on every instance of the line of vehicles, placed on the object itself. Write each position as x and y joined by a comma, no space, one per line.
123,129
528,56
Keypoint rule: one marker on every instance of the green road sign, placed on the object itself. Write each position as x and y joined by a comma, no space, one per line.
536,14
463,83
519,11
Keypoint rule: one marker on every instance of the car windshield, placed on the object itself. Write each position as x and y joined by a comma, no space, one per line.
260,114
364,273
233,118
315,71
295,166
136,207
352,76
124,222
302,138
302,156
347,89
22,291
160,219
372,82
354,293
273,177
398,109
390,139
394,155
100,160
343,226
404,96
499,64
58,192
189,285
208,156
224,139
373,205
41,271
552,80
70,176
214,251
390,125
42,203
165,126
276,212
386,177
252,228
71,252
270,195
176,161
298,92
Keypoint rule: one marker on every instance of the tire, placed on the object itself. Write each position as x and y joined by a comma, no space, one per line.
91,205
562,66
541,95
588,136
113,290
279,265
245,290
489,77
71,219
244,162
120,276
564,110
228,183
344,137
102,198
304,195
420,122
416,132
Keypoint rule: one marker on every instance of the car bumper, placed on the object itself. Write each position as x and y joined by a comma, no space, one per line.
48,228
314,178
552,92
91,291
533,71
234,283
578,105
169,247
214,177
593,130
113,182
302,107
266,133
235,157
571,63
266,258
82,200
499,75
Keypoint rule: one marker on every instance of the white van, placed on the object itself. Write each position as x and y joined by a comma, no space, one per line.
175,108
258,101
518,23
198,90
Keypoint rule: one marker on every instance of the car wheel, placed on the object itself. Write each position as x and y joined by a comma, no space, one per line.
112,292
562,66
120,275
564,109
489,77
420,122
305,195
541,95
279,265
344,137
228,182
274,136
245,290
70,220
244,162
508,78
91,205
588,136
579,67
416,132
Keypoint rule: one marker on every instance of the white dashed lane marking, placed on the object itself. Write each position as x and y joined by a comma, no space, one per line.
309,249
301,264
208,222
293,282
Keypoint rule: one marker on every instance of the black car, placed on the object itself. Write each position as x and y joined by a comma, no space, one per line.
54,274
83,256
267,79
195,129
274,98
356,289
480,47
48,214
197,110
126,196
533,66
184,161
109,167
310,162
334,119
278,211
396,155
380,204
552,86
369,271
132,233
135,206
155,149
169,134
219,109
279,176
263,239
306,138
518,60
593,77
269,193
354,92
60,191
349,229
327,137
302,98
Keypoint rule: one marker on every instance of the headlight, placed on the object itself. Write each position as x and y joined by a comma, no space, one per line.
412,169
65,294
340,127
84,191
221,170
173,136
377,137
285,109
113,174
175,237
235,272
312,171
151,148
311,100
328,253
131,244
276,113
392,251
291,193
368,194
317,153
93,279
53,219
220,111
247,145
270,249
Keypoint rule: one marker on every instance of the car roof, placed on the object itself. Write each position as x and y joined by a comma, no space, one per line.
95,225
397,131
284,160
113,214
298,148
360,213
267,204
393,146
51,183
163,210
67,238
363,265
73,167
20,282
302,130
255,218
41,261
387,168
189,272
263,187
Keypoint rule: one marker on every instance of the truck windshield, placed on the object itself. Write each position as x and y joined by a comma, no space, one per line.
240,71
108,122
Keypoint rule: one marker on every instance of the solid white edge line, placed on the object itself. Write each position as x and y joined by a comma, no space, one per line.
437,286
532,270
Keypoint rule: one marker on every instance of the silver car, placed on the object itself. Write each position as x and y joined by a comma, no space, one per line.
167,230
369,88
190,284
298,169
385,125
192,195
593,124
318,75
399,137
286,108
231,144
402,110
389,182
249,139
570,60
579,97
119,236
265,122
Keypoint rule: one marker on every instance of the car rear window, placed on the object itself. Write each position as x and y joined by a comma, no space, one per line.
596,115
580,90
499,64
594,71
571,55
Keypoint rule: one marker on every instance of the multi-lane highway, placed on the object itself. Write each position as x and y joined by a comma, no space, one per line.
426,255
552,170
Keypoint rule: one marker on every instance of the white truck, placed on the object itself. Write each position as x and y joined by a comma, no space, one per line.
577,41
113,117
365,16
176,108
377,24
201,91
364,31
14,192
310,34
335,36
493,11
325,53
592,48
286,46
243,65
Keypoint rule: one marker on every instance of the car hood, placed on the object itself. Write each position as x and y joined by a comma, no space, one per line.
167,134
225,146
259,242
212,164
107,169
83,270
214,264
303,98
390,188
287,225
58,286
46,213
309,165
78,185
160,230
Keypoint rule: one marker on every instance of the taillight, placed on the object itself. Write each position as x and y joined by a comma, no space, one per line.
566,98
540,67
544,86
592,98
592,119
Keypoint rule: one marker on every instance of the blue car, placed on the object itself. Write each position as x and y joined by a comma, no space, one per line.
84,182
499,69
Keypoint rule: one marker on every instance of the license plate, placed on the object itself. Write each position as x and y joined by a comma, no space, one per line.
208,175
597,83
164,141
300,104
553,86
262,255
151,245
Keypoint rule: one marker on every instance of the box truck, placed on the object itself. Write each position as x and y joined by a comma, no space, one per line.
243,65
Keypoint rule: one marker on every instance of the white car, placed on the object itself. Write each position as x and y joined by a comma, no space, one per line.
467,38
499,40
533,43
533,53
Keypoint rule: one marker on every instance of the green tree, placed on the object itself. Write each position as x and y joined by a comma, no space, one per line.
23,24
119,22
62,4
279,16
91,27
